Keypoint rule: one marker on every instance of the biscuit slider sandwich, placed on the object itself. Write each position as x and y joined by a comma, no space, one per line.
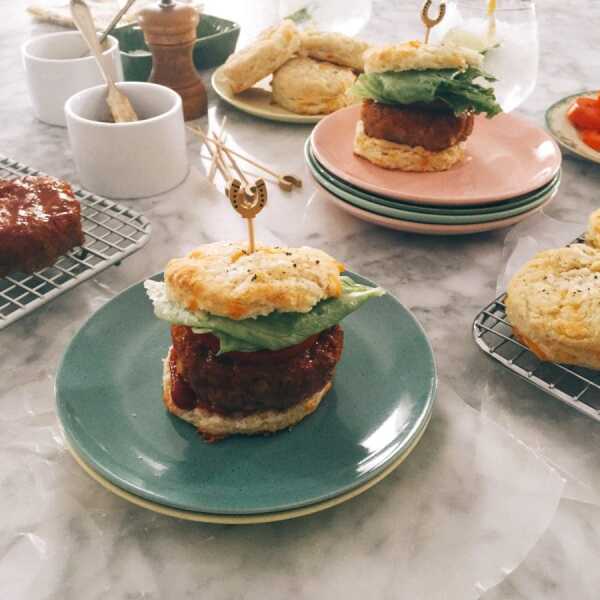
255,337
418,105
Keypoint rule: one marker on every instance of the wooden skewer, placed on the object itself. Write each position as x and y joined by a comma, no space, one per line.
214,160
250,174
223,168
428,21
247,200
213,165
237,169
252,244
220,150
285,182
217,164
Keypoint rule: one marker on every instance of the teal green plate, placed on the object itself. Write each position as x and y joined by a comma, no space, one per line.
109,402
397,210
516,202
216,41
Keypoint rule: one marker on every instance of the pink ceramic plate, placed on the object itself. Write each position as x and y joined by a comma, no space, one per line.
429,228
505,157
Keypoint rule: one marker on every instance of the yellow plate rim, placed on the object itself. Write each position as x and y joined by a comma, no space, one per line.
247,519
281,114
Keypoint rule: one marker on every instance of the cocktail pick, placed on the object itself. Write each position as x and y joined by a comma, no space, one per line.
285,182
213,164
428,21
248,201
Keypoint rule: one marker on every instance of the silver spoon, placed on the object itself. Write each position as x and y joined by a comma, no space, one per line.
119,104
112,24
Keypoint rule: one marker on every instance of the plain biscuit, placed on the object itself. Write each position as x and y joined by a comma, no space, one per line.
417,56
226,280
216,425
311,87
335,48
273,48
552,304
402,157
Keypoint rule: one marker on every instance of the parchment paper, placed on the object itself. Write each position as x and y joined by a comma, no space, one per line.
459,514
560,435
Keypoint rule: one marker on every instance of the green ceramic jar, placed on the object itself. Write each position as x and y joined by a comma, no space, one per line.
217,39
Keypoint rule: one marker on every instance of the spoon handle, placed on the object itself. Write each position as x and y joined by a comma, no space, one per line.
85,23
115,20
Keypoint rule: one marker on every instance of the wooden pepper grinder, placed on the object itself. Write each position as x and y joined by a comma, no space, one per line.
170,31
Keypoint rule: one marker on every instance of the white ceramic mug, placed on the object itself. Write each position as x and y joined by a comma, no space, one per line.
56,69
128,160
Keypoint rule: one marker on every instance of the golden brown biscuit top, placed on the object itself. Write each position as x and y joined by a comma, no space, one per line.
417,56
558,291
224,279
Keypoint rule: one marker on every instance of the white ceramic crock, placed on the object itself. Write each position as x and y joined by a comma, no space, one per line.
55,70
128,160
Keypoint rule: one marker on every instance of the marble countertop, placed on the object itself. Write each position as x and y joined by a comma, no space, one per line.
500,500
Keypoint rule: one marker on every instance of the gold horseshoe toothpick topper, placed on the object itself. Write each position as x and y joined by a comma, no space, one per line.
428,21
248,201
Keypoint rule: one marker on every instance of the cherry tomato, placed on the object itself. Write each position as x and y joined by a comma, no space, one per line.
585,116
591,137
589,102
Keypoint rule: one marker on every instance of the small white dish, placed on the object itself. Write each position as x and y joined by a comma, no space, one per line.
564,132
128,160
56,69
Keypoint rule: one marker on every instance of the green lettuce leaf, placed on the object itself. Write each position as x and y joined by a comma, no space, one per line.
273,332
455,88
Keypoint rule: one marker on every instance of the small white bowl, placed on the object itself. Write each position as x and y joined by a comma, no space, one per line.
55,70
128,160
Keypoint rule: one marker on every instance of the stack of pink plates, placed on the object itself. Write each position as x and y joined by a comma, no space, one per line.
511,170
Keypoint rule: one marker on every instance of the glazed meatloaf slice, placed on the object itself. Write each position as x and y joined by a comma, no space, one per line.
433,127
246,382
40,220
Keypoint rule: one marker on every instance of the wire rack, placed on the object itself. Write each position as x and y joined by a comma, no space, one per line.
576,386
112,232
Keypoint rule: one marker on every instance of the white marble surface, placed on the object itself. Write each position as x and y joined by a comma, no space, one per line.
500,500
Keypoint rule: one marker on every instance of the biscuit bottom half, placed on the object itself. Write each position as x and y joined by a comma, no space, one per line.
401,157
214,426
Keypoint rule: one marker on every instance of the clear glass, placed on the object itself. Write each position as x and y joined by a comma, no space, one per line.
510,41
341,16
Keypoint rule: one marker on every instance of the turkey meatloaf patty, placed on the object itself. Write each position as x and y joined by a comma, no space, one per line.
247,382
434,126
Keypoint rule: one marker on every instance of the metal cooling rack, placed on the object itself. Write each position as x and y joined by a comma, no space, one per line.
576,386
112,232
